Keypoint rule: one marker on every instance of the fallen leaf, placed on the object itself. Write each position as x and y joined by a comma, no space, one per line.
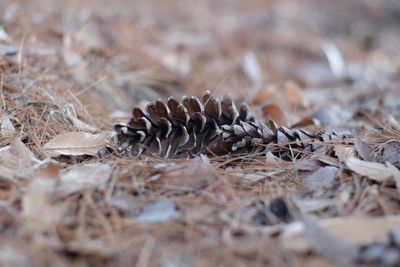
335,59
187,177
328,245
252,177
75,143
93,36
357,230
252,70
373,170
13,256
37,205
273,112
125,202
313,205
71,58
271,158
49,171
391,152
315,73
70,113
83,177
3,34
328,160
157,212
334,115
7,50
365,150
7,128
294,95
323,178
344,152
304,122
264,95
17,160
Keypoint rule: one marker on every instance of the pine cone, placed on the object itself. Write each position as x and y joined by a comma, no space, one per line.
174,129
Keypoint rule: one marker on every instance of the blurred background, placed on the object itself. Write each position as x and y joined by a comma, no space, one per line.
299,55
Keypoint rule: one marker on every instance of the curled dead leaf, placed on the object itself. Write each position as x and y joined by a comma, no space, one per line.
75,144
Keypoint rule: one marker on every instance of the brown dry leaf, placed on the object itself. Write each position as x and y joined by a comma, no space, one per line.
365,150
391,152
83,177
70,114
273,112
252,70
186,177
90,247
125,202
6,128
93,36
16,160
314,205
37,206
322,178
254,176
11,255
158,212
344,152
333,115
176,62
330,246
373,170
357,230
262,96
75,143
304,122
294,95
51,172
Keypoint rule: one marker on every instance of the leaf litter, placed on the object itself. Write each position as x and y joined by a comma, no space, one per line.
67,199
75,144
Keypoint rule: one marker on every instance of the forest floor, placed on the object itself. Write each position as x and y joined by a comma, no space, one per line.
69,70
